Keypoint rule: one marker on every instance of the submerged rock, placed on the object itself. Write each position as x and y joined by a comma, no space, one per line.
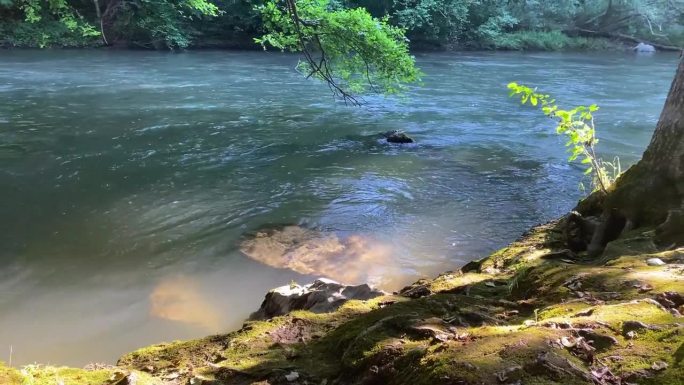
395,136
353,259
321,296
180,299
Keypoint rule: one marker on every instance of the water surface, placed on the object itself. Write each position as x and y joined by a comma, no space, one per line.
128,178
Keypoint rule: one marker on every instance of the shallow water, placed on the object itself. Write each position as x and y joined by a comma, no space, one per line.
128,178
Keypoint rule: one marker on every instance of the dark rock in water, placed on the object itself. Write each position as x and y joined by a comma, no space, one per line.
395,136
321,296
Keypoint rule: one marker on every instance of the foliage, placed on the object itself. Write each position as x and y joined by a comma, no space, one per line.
236,24
161,24
477,24
544,15
651,18
432,20
46,23
46,33
152,22
34,11
349,49
577,125
545,41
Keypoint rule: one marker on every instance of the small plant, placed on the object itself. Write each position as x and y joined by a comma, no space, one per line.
578,126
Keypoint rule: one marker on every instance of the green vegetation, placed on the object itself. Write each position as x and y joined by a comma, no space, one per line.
577,125
158,24
52,375
465,24
546,41
364,53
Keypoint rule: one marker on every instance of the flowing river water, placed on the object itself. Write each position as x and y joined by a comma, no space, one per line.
128,179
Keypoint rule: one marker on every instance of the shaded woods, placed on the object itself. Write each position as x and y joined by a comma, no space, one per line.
489,24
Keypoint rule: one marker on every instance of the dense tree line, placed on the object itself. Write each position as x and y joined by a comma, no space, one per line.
477,24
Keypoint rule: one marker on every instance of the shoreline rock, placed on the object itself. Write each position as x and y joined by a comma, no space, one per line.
322,296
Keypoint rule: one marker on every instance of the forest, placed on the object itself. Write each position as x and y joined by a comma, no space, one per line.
429,24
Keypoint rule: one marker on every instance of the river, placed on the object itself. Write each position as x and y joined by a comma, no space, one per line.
127,179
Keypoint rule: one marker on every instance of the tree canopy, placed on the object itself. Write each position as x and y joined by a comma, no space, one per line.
349,49
478,24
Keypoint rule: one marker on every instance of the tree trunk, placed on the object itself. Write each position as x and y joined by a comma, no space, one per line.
98,12
651,192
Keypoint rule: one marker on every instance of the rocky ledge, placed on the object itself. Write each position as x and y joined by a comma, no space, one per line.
322,296
535,312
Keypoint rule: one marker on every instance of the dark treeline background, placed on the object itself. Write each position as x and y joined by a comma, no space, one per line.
438,24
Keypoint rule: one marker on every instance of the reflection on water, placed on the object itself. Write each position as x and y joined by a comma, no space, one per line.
355,259
129,179
180,299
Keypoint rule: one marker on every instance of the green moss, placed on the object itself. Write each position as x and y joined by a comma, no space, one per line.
525,251
562,311
451,281
51,375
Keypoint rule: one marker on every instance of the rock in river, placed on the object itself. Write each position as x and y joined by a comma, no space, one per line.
644,48
354,259
395,136
321,296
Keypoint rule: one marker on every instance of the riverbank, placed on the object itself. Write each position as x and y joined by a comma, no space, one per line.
519,41
23,35
534,312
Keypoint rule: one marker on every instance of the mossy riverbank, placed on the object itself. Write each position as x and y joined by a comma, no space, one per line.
531,313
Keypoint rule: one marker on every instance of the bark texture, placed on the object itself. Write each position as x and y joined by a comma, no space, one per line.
651,192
